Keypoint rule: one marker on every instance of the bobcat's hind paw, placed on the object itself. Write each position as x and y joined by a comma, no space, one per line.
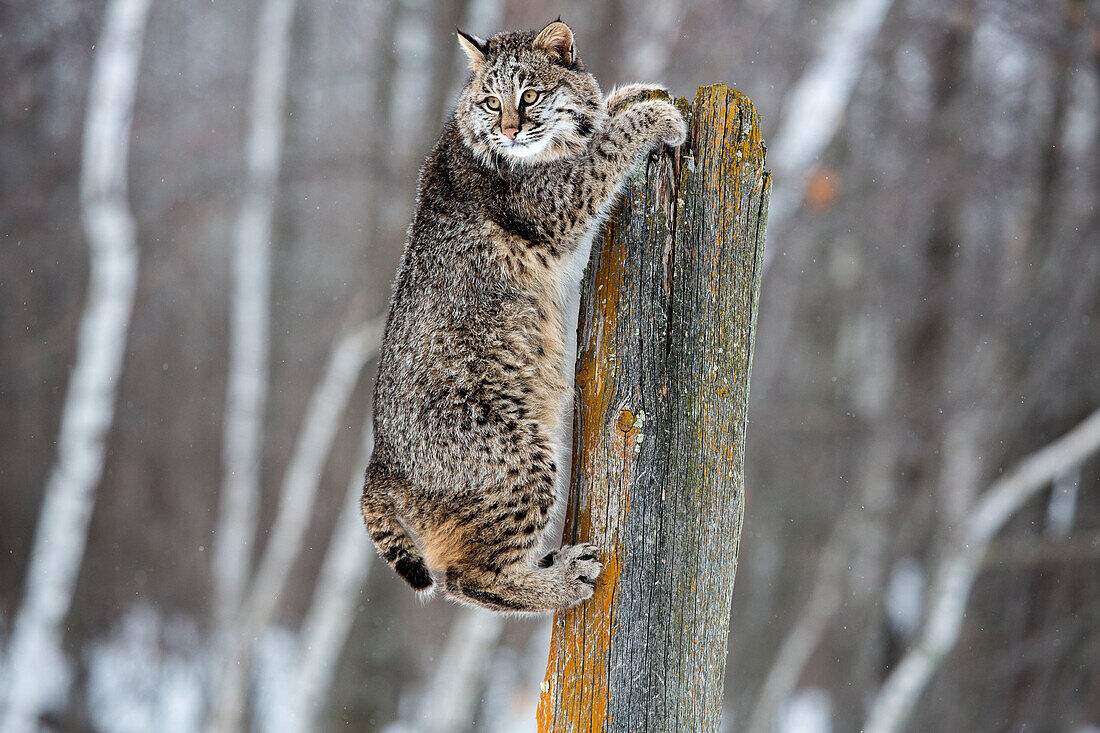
579,566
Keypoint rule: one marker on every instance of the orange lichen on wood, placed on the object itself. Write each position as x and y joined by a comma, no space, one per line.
590,626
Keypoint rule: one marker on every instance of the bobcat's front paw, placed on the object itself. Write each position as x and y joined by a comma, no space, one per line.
579,567
664,121
622,97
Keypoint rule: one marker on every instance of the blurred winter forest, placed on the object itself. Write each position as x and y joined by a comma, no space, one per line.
202,206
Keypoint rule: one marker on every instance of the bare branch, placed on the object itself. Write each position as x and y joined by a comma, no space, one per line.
331,612
960,566
296,499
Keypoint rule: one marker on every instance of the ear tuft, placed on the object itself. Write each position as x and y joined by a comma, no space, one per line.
557,38
474,48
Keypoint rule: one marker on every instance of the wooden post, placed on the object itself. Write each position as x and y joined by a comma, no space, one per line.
668,312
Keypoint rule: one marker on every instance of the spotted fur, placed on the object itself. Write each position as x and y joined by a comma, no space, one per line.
475,370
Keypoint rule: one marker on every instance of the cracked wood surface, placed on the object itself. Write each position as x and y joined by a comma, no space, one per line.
667,320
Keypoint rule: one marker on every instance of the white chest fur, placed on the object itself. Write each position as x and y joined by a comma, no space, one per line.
569,293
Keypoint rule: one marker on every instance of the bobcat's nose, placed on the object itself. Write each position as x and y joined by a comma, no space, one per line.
510,132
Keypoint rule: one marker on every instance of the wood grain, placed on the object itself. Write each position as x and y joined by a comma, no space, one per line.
668,313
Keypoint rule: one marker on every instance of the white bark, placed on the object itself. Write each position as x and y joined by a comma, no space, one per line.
815,105
957,571
331,612
249,329
295,509
249,323
811,115
88,410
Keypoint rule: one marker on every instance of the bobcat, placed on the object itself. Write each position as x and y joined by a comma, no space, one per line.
475,372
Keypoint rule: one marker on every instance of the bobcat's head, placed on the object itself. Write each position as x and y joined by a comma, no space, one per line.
529,99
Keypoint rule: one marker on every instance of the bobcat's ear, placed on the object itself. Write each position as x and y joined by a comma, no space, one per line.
557,38
474,48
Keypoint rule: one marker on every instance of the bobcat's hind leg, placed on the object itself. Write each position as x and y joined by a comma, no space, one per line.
389,535
501,562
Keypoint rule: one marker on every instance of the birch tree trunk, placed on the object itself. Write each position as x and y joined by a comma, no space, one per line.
88,411
250,307
249,340
814,107
668,312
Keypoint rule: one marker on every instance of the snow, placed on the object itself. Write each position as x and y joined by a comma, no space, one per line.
278,698
145,676
905,597
809,711
1063,503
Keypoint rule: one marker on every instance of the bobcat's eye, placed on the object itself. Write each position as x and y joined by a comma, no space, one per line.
530,96
492,103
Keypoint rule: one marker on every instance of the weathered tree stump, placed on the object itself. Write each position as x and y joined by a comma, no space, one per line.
668,313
